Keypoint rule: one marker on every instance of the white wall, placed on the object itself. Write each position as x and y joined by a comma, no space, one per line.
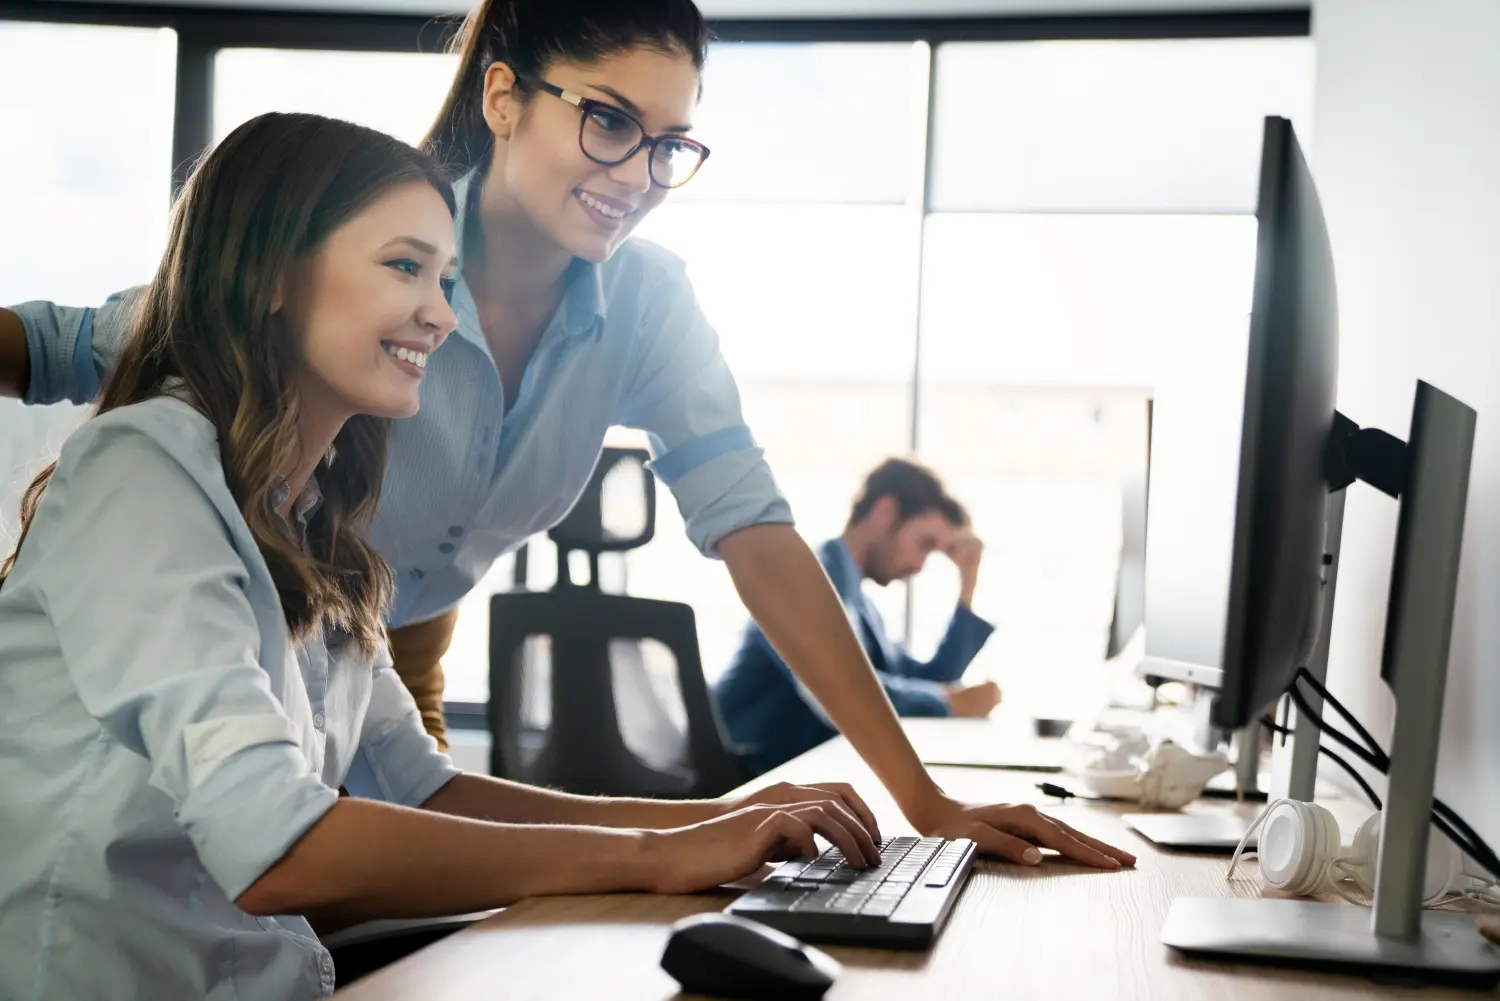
1408,142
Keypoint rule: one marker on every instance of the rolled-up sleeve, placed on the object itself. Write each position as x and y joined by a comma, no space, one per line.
72,349
398,756
683,395
147,594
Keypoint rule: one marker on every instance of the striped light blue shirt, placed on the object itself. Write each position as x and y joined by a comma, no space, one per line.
467,481
162,741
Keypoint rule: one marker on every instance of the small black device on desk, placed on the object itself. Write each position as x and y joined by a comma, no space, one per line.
900,903
724,956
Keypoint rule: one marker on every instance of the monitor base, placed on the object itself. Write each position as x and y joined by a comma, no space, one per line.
1449,948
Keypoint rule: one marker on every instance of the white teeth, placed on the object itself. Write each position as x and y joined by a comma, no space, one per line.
416,358
608,211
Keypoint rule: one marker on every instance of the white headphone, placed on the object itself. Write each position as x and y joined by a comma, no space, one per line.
1299,851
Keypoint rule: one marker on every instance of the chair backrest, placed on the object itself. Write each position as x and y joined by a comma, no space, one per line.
585,528
607,730
583,748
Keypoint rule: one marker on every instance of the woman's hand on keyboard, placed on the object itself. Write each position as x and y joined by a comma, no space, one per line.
1014,832
784,793
718,851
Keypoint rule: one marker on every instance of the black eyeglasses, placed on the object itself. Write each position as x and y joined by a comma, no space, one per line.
609,136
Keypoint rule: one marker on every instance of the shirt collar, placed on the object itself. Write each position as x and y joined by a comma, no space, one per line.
852,572
583,307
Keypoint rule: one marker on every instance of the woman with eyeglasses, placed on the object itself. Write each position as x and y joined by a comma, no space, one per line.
568,122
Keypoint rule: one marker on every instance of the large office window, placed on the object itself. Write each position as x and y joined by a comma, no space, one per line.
395,92
800,237
1093,202
1088,203
84,186
999,285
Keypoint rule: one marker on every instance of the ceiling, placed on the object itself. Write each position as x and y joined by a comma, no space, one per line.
798,8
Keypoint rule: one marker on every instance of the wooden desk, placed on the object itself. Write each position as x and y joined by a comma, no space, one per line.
1060,931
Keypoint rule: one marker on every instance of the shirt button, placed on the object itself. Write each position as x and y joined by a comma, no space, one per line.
446,547
418,574
455,531
318,720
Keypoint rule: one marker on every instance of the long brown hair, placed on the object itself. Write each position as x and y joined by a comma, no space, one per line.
529,36
255,210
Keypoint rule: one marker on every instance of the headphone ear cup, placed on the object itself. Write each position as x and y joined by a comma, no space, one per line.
1444,873
1297,841
1364,853
1329,845
1445,867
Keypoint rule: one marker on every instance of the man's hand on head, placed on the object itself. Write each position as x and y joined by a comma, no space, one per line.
966,550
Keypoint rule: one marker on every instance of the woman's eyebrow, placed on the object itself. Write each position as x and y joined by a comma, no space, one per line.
632,107
422,246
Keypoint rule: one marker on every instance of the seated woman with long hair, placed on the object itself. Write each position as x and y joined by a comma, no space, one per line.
192,649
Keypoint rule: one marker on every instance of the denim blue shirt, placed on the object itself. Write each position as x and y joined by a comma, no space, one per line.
768,710
467,481
163,742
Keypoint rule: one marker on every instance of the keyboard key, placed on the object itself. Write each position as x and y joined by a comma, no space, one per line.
939,877
880,907
788,869
767,902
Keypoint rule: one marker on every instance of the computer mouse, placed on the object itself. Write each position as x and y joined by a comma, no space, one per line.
729,957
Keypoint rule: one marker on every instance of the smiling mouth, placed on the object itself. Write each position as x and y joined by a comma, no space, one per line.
417,358
606,210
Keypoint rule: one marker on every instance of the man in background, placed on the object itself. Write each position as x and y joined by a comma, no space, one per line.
901,516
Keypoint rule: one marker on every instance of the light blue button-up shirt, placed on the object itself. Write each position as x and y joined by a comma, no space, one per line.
467,481
162,741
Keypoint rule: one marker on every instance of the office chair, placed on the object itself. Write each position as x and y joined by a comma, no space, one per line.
608,729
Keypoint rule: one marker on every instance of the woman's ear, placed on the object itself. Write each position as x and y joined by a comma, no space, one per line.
501,109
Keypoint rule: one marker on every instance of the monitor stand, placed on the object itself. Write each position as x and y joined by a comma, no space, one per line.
1398,938
1447,946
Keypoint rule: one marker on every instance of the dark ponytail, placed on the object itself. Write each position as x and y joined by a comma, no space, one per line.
529,36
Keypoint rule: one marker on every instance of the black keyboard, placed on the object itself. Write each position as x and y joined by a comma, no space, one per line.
901,903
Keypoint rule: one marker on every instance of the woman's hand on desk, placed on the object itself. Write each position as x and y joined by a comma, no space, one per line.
719,851
1013,832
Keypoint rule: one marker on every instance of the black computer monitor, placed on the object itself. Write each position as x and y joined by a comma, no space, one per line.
1297,456
1291,379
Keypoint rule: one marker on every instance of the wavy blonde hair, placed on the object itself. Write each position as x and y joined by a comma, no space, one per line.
254,212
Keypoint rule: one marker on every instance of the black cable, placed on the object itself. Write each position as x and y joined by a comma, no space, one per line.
1371,743
1445,818
1306,709
1477,848
1354,774
1469,841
